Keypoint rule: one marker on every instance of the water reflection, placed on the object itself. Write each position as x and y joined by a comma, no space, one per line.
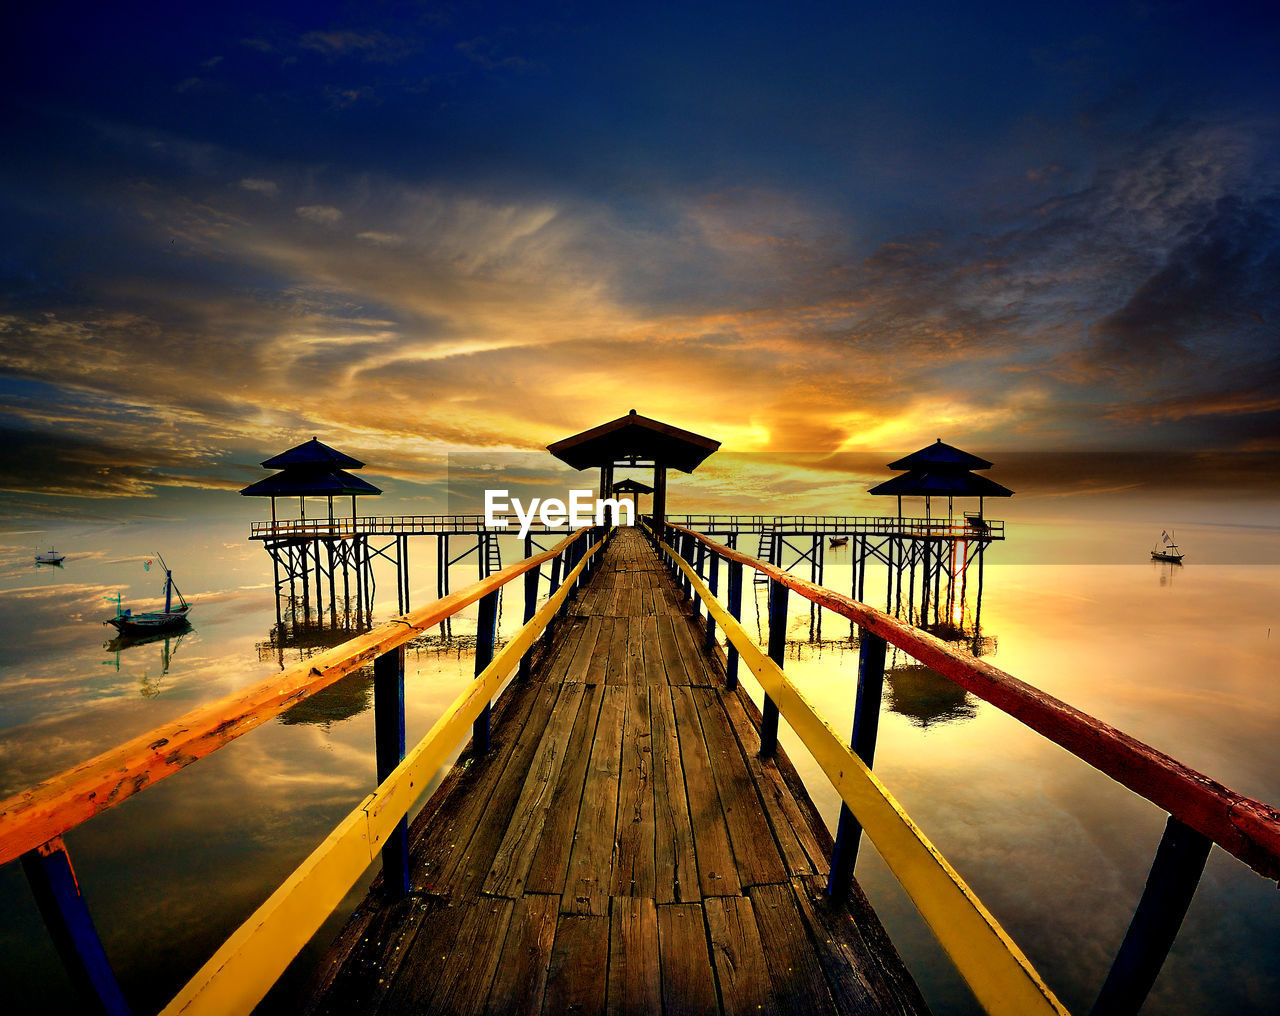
150,684
925,697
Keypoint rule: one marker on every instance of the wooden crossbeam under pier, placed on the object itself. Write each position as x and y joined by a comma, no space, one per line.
621,847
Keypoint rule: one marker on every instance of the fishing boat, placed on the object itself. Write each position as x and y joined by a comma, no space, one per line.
838,541
128,623
50,556
1166,550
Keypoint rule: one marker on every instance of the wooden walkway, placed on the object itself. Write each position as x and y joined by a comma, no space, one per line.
621,848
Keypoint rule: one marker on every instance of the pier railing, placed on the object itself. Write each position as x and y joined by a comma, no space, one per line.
246,966
969,527
1202,812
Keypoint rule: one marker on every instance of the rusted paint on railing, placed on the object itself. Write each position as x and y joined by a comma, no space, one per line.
1244,827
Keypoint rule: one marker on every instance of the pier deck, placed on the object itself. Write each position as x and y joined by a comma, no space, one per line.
621,847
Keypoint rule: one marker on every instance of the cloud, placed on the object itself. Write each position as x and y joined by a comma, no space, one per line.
325,215
261,186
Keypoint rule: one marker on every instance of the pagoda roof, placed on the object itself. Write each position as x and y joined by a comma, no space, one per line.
944,483
631,487
636,438
310,483
940,456
313,453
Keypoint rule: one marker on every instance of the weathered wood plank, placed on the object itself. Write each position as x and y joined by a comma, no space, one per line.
583,653
520,981
695,662
802,851
676,865
474,826
619,652
754,849
635,980
738,953
587,881
717,870
688,983
863,968
467,975
672,659
550,861
515,853
797,977
634,872
578,978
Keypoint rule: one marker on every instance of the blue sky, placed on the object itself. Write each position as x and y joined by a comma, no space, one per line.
837,229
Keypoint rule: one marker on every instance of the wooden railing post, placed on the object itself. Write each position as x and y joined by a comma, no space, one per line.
66,916
530,602
699,561
713,584
866,724
1175,873
735,608
486,633
388,734
777,652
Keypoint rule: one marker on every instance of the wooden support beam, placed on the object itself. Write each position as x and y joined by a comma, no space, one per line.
866,724
777,653
486,635
1175,873
66,916
388,726
735,609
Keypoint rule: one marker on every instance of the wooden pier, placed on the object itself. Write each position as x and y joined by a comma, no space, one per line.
621,847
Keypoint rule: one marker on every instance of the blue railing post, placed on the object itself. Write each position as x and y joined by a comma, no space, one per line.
713,584
388,735
735,608
66,916
1175,873
699,550
486,634
866,724
530,603
777,652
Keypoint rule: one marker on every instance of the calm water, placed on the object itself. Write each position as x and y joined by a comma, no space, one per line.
1182,658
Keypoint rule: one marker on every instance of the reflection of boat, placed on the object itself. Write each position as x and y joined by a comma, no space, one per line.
838,541
1166,550
150,686
153,621
925,697
50,556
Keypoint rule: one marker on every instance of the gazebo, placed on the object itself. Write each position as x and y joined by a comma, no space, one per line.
633,487
635,441
940,470
311,469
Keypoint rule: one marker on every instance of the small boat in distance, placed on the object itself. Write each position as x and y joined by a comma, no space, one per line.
1166,550
128,623
50,556
838,541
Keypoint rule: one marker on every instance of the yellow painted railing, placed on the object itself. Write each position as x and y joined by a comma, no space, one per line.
1000,976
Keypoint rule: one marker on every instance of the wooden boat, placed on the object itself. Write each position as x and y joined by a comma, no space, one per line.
50,556
150,622
838,541
1166,550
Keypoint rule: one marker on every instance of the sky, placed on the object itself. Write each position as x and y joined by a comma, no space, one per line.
1049,234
